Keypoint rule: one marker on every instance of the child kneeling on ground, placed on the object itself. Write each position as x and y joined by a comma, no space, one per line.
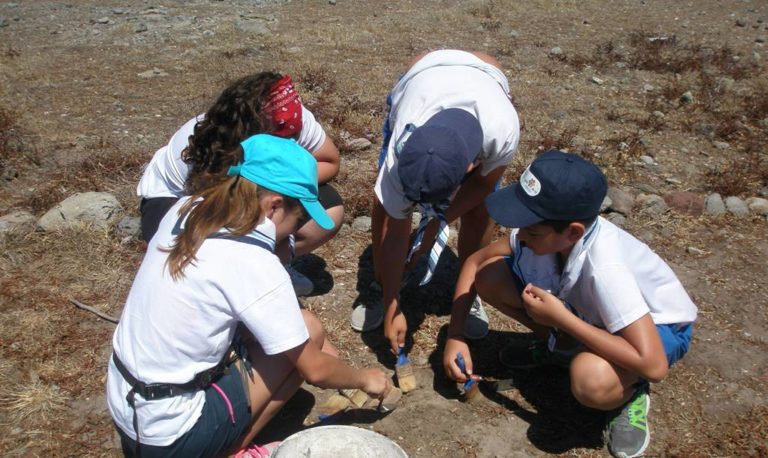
566,272
212,342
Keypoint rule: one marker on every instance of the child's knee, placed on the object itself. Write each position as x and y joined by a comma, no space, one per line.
594,383
314,327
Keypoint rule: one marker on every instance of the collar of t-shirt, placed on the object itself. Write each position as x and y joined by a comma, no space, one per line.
576,259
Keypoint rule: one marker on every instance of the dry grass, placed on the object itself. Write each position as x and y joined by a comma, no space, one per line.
739,175
35,403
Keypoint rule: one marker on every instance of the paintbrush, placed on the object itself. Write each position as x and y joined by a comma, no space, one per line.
387,403
333,406
358,397
470,386
404,370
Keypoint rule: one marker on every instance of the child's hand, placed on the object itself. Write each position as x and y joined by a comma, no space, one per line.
453,346
377,383
542,306
394,330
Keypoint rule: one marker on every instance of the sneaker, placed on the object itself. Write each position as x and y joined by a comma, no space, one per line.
476,326
526,354
367,317
627,429
257,451
301,284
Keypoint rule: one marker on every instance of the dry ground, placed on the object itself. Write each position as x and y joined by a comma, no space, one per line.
75,116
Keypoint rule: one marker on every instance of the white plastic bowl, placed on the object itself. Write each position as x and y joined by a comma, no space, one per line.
335,441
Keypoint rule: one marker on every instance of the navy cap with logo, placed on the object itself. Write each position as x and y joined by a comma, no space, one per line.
436,156
556,186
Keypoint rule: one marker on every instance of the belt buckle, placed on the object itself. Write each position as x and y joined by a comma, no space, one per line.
158,391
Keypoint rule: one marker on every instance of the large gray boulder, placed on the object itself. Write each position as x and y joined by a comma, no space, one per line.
621,201
97,209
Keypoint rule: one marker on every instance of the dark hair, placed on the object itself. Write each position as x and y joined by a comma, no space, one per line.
559,226
235,116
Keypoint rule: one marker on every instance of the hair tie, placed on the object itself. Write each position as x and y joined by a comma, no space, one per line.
234,169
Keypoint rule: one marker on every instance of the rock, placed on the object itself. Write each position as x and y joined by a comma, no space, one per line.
672,180
155,72
758,205
714,205
98,209
513,34
362,224
647,160
252,26
597,80
686,202
721,145
101,20
129,226
359,144
606,204
741,23
140,27
648,87
16,220
621,201
3,22
556,51
616,218
331,2
646,188
651,204
687,97
736,206
760,40
659,115
415,219
763,191
695,251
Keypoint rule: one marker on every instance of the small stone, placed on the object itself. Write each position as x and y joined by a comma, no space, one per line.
685,202
331,2
687,97
3,22
607,202
155,72
647,160
763,191
646,188
736,206
513,33
362,224
658,114
118,11
597,80
621,201
15,220
672,180
616,218
102,20
359,144
556,51
721,145
695,251
129,226
648,87
714,205
651,204
760,40
741,23
255,27
140,27
758,205
208,33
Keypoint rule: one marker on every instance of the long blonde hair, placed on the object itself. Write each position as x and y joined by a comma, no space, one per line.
234,204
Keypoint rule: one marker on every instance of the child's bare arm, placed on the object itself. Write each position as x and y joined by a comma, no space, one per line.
636,348
328,161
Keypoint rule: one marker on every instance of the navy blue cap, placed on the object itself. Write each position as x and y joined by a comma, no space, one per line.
436,156
556,186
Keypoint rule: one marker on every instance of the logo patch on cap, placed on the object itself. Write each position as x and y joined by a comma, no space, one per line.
530,183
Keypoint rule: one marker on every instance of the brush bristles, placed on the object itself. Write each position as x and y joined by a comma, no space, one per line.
405,378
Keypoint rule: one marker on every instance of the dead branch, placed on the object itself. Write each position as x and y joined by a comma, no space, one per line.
96,312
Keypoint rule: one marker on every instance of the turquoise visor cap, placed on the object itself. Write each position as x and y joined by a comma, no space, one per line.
282,166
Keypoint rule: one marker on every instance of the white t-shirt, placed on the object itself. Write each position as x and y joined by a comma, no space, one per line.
611,279
167,172
441,80
170,330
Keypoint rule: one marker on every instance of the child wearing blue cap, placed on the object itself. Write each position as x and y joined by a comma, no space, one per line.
450,133
212,342
568,274
202,150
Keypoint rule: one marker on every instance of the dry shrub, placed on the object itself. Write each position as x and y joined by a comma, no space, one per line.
550,139
36,401
740,175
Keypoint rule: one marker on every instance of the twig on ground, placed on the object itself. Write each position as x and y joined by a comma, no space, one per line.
98,313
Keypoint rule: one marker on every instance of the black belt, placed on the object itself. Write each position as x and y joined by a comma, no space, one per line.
153,391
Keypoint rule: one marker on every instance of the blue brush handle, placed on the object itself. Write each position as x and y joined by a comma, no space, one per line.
402,358
462,365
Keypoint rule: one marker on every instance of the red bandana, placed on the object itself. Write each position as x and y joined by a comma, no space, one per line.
284,107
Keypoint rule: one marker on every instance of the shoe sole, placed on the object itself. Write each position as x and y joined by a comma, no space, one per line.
364,328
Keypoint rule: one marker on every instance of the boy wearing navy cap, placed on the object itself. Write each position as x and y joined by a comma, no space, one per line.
450,133
567,271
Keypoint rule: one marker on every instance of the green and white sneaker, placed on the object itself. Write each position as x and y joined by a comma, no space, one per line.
627,429
527,354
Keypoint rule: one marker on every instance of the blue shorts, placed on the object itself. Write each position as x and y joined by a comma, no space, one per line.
215,430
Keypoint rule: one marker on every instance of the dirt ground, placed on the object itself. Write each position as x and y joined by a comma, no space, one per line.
90,89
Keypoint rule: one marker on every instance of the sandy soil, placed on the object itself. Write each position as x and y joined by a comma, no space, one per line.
81,113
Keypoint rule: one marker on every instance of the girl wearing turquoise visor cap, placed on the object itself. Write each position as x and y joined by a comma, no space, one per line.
212,341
